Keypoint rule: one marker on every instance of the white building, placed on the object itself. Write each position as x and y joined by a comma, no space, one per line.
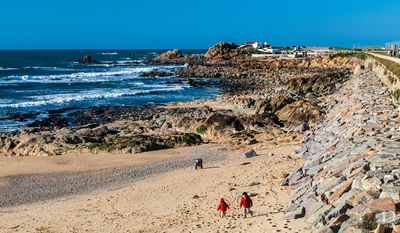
251,44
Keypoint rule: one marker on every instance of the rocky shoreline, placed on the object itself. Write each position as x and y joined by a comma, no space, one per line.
267,96
347,118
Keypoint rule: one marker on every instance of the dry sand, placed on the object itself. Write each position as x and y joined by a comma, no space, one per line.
166,203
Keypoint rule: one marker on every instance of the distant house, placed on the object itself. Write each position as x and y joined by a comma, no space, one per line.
251,44
266,45
271,50
317,51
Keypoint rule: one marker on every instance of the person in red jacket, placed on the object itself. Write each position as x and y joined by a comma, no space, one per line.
222,207
246,203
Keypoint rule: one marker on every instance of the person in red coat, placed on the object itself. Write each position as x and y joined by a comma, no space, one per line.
246,203
222,207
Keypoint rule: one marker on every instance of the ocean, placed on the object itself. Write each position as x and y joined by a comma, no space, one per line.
33,82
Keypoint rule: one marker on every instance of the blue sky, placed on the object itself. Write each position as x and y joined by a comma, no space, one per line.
68,24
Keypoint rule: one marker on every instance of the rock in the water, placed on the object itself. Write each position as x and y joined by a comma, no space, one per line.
169,55
87,59
157,73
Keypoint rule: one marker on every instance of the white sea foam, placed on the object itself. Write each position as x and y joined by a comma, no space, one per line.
77,77
8,68
57,99
49,68
117,63
93,76
111,53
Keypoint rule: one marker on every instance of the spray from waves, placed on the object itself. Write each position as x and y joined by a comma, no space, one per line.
58,99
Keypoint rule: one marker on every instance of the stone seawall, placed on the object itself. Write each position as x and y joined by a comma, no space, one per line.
388,78
350,181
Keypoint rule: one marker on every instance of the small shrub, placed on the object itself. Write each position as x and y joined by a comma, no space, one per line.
201,129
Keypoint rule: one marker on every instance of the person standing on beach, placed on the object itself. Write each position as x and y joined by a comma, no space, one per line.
198,163
246,203
222,207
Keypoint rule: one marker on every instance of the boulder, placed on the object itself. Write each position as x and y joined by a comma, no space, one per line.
249,154
300,112
220,49
169,55
300,212
382,204
346,186
220,125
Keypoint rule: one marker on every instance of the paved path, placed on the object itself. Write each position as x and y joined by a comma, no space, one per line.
397,60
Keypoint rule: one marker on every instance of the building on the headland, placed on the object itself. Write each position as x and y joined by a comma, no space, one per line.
250,44
271,50
295,51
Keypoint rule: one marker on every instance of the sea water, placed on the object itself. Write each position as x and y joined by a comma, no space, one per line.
33,82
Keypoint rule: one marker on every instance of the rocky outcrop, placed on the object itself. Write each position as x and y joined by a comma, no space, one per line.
272,104
245,77
169,55
349,181
221,50
128,130
300,112
157,73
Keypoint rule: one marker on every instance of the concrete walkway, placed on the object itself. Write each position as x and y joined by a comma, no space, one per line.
397,60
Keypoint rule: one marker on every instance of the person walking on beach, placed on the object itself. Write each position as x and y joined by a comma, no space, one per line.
222,207
246,203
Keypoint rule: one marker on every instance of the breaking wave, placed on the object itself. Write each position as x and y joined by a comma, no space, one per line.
110,53
76,77
57,99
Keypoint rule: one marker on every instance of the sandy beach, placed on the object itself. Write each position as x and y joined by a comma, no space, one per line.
180,200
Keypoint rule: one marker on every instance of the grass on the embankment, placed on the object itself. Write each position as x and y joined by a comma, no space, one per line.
359,55
390,65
